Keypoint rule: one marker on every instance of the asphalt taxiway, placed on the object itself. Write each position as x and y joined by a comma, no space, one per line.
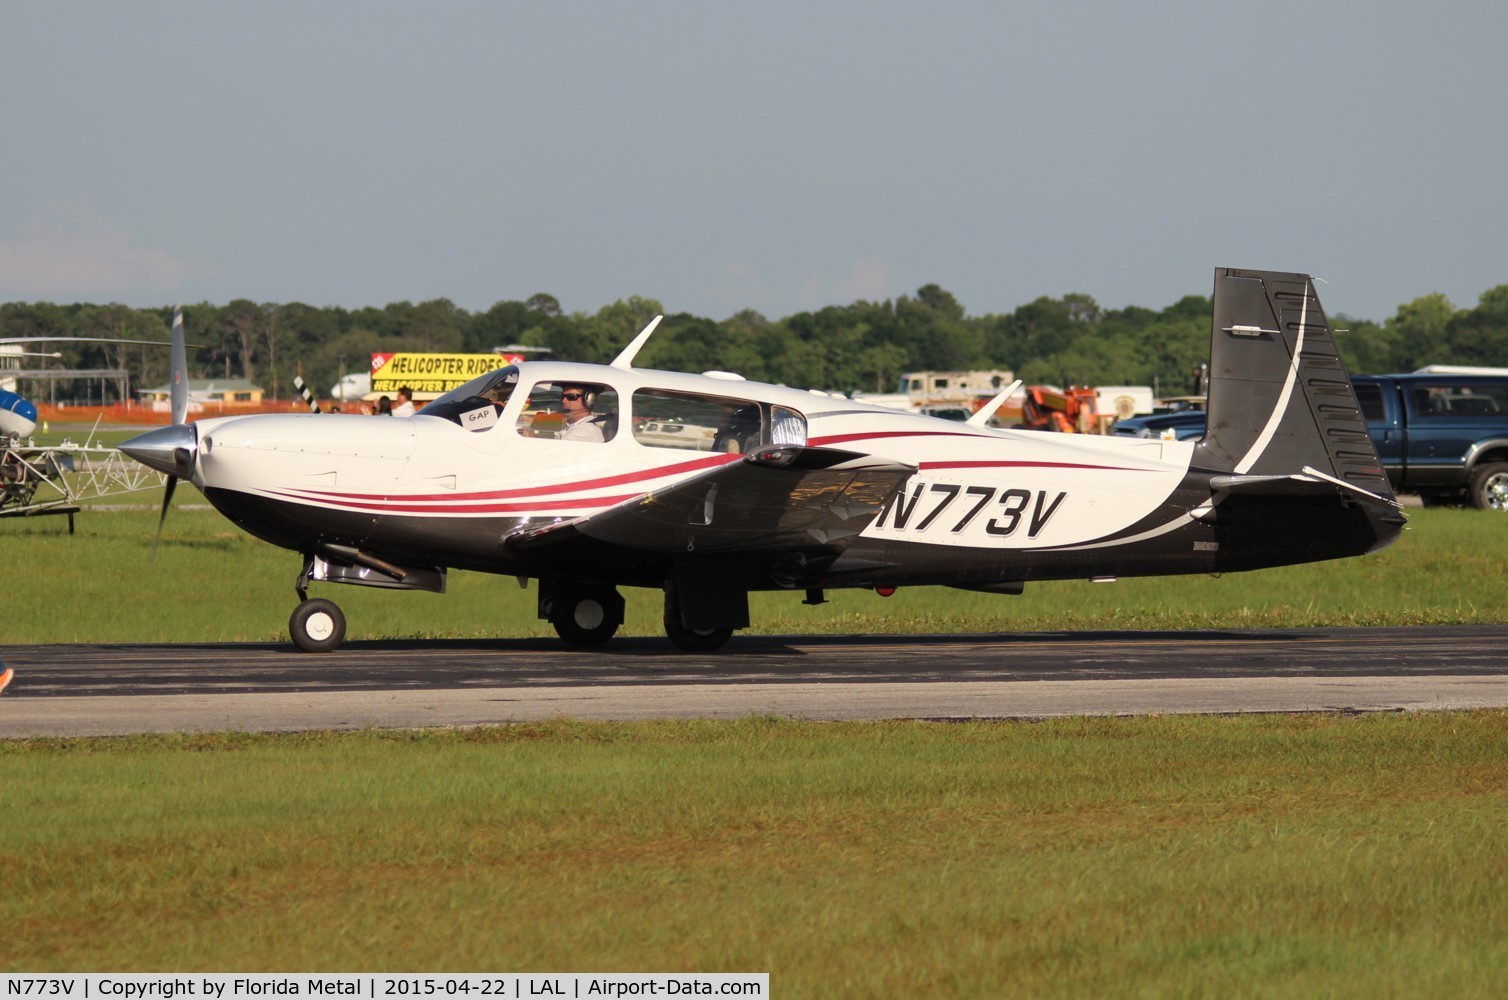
87,690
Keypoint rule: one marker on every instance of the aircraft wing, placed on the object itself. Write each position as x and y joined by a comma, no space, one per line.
774,500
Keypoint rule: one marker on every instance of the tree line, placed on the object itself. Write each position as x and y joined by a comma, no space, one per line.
864,346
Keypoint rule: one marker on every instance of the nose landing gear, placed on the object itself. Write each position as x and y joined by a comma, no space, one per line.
317,626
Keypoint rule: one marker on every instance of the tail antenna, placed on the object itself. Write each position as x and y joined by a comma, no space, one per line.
981,416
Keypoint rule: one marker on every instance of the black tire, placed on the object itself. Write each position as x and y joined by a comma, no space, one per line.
317,626
692,640
1489,486
586,617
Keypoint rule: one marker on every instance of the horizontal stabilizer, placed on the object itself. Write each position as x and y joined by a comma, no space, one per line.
1309,483
774,500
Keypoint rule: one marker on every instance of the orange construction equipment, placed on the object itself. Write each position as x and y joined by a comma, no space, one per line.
1068,411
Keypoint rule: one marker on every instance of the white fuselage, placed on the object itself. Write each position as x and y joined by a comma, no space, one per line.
436,483
975,487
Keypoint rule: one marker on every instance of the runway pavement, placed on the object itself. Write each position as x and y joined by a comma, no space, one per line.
77,690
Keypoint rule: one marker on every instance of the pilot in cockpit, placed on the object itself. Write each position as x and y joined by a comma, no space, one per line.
576,403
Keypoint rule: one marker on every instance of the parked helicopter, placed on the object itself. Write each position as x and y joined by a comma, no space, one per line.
550,471
18,416
35,480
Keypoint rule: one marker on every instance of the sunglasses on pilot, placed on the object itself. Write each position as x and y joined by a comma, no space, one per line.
572,395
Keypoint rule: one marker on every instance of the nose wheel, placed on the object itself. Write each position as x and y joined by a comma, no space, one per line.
317,626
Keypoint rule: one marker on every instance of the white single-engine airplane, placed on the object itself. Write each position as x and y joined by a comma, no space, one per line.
593,477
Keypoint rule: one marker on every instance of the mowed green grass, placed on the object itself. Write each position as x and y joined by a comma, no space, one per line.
1250,856
209,581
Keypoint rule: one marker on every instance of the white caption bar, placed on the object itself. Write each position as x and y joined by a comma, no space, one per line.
384,986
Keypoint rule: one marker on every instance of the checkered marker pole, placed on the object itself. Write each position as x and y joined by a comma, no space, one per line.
303,390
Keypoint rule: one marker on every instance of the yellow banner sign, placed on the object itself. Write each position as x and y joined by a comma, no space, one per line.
431,374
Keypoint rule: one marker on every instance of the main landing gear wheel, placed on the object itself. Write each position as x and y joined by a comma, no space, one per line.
692,640
586,617
317,626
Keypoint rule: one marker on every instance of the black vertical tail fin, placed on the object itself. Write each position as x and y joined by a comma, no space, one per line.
1280,400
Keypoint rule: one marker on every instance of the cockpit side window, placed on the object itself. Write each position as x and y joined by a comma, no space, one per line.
698,422
570,411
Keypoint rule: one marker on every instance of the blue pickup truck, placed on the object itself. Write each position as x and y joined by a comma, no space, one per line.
1440,435
1443,436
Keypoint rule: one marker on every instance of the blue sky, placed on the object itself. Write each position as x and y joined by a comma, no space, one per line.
779,156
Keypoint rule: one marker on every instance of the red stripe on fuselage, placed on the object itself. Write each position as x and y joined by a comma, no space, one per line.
456,508
696,465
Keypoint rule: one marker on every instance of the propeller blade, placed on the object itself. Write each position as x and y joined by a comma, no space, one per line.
167,498
170,450
180,389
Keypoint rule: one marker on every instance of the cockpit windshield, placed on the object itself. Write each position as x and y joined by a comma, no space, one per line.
495,388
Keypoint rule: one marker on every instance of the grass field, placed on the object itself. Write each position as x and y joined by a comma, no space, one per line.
1252,856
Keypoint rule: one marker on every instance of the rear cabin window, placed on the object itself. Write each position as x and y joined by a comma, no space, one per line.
1460,400
696,422
570,411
